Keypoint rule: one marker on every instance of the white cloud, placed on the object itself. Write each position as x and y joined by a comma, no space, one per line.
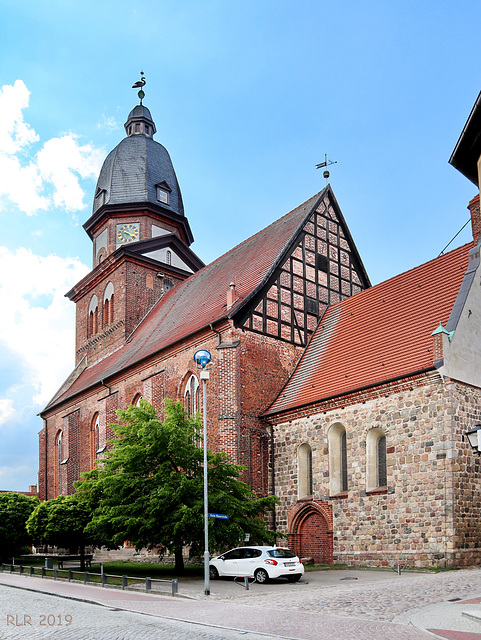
60,160
33,182
37,320
7,412
109,123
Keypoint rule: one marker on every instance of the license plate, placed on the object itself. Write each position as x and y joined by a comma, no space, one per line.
289,564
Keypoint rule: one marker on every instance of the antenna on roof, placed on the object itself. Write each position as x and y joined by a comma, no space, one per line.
138,85
326,164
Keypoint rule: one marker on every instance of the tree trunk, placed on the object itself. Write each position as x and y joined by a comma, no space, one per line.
82,557
179,560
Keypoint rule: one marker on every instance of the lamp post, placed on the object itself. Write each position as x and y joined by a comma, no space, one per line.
202,357
474,438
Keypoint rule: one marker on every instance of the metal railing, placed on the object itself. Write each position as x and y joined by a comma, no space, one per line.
89,577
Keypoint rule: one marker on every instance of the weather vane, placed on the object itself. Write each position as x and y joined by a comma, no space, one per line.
138,85
326,164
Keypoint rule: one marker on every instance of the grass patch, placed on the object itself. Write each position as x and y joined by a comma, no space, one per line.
148,569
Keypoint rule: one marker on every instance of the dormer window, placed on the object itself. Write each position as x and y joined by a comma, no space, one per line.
163,190
100,197
162,195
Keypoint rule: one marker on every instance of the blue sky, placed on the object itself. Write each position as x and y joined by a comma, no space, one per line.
247,97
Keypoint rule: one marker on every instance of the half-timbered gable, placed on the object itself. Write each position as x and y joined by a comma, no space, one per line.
320,266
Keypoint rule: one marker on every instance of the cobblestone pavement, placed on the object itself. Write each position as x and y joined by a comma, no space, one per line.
384,600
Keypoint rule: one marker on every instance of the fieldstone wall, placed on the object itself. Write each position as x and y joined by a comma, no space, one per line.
429,513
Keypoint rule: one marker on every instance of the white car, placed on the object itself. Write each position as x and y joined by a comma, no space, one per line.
263,563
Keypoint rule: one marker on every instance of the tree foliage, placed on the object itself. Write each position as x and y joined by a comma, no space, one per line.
149,488
15,509
61,522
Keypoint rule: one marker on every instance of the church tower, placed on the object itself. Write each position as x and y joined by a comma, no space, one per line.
141,241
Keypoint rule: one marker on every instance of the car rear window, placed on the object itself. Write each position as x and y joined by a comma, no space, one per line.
281,553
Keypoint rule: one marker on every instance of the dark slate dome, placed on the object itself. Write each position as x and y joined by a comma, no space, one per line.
133,171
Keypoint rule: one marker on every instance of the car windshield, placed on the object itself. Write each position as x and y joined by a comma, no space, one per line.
281,553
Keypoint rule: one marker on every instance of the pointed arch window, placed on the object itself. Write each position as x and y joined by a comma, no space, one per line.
192,396
338,476
137,399
93,319
94,439
376,476
304,471
108,307
58,455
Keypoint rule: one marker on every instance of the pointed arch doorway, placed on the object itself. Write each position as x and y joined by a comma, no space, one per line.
310,532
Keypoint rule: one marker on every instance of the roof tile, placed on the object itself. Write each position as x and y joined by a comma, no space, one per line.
380,334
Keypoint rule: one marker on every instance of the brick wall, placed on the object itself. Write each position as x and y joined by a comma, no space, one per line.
246,372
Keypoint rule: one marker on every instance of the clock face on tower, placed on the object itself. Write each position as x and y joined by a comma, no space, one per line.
128,232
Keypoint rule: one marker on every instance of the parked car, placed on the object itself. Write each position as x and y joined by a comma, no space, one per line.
263,563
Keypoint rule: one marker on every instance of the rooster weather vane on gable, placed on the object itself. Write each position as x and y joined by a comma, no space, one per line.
138,85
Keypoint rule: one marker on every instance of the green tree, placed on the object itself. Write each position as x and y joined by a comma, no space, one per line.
62,522
149,488
15,508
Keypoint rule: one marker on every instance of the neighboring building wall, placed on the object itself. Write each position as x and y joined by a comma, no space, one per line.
429,512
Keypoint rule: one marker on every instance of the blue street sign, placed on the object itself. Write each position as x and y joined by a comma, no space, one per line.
219,516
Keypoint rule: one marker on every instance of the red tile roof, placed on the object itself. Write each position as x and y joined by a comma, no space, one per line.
380,334
201,299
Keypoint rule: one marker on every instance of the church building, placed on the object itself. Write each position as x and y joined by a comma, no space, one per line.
347,401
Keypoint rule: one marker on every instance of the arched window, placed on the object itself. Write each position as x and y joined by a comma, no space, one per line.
192,396
93,315
137,399
304,471
168,257
338,481
108,314
376,469
94,439
58,463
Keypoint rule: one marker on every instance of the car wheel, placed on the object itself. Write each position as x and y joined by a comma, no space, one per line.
294,578
261,576
213,573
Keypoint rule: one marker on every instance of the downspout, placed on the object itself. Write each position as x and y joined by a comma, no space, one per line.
273,478
45,457
107,387
219,336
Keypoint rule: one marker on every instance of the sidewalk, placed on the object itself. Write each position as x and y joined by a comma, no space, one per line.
298,613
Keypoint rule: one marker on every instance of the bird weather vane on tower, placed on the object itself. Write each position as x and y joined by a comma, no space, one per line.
326,164
138,85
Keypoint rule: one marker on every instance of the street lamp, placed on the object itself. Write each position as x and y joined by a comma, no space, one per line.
202,357
474,438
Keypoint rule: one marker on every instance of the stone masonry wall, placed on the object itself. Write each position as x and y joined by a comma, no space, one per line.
429,513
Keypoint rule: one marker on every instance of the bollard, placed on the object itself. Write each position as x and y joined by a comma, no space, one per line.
12,568
43,572
55,573
246,582
148,584
175,587
3,567
124,582
21,568
70,575
32,571
104,579
86,577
